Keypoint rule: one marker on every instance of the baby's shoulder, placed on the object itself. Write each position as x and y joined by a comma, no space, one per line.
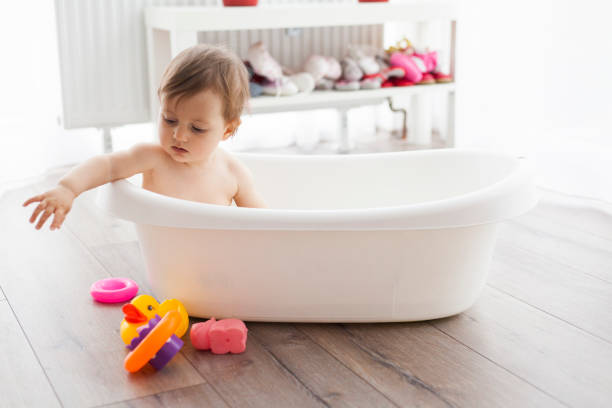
149,152
147,148
236,167
230,161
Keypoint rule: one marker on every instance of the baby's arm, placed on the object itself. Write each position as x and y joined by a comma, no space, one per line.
246,196
92,173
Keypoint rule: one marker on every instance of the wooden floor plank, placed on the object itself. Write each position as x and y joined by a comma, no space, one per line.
401,387
576,213
559,359
421,353
319,371
579,249
197,396
252,379
47,275
19,366
563,291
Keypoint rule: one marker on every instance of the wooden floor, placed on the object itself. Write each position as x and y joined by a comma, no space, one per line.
539,335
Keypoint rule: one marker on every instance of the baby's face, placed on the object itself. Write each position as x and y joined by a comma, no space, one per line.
191,130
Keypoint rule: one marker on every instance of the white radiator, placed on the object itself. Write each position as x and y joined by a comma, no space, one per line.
103,62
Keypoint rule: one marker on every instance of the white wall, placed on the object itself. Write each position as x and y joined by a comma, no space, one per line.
536,79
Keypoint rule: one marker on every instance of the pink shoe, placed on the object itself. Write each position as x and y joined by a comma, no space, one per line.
427,79
442,78
430,60
413,72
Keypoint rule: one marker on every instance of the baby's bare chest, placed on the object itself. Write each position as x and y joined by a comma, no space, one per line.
214,186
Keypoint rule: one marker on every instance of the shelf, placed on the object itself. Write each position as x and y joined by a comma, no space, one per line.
335,99
285,16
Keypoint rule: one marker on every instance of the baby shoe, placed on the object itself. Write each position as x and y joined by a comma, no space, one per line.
317,66
368,65
427,79
382,61
334,70
281,87
343,85
323,67
324,84
429,58
401,82
263,63
393,72
413,71
442,78
303,81
350,70
373,81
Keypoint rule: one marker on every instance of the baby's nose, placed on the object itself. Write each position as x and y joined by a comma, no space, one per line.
180,135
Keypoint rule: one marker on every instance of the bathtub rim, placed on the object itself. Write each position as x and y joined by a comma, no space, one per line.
510,196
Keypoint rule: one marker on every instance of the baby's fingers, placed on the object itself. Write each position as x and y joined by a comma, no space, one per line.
37,211
33,200
44,217
58,219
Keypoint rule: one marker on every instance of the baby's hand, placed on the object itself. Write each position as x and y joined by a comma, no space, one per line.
57,201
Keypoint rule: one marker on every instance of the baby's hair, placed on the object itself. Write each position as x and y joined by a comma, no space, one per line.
208,67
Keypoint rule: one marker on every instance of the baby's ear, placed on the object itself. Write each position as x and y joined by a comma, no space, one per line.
231,127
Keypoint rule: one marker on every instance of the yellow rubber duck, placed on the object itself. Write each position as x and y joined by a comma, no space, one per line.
144,307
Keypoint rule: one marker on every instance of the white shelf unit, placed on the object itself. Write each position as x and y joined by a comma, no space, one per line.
172,29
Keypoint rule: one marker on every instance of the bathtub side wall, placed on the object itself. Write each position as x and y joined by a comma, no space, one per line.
378,180
311,276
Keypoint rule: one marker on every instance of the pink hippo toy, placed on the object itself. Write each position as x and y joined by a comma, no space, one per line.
221,337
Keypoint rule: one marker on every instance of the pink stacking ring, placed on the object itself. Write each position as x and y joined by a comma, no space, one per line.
113,290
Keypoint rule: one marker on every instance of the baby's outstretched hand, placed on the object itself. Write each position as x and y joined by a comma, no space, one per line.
56,202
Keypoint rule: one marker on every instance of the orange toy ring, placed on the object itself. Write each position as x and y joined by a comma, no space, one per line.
154,341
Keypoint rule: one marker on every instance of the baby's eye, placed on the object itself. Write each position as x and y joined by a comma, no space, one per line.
169,121
198,130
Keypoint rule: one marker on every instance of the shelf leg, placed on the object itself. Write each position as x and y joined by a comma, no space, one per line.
107,140
450,131
345,142
404,115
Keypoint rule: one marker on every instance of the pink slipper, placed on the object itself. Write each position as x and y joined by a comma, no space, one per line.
442,78
427,79
413,72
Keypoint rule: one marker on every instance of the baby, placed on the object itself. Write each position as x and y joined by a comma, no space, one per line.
202,94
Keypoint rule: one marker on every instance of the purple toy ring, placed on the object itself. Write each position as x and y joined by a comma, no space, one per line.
113,290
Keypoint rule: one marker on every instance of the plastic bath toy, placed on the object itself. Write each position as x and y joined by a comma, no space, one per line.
155,343
113,290
221,337
143,308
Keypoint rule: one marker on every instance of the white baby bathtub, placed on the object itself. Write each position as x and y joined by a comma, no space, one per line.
357,238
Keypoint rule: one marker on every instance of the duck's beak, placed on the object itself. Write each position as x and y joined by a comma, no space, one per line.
132,314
